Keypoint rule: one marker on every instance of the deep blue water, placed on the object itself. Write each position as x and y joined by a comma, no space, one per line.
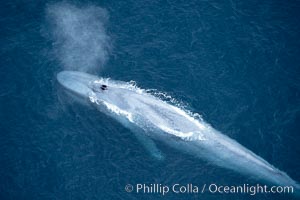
237,63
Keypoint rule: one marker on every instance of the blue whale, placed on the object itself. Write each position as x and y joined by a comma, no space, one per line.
152,119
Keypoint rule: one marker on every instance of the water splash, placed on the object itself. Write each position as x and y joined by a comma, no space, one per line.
148,109
79,36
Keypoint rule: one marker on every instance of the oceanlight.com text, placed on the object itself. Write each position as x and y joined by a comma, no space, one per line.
164,189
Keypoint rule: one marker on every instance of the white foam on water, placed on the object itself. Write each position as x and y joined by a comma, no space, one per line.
147,111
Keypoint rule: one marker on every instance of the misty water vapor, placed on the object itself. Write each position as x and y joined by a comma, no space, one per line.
79,36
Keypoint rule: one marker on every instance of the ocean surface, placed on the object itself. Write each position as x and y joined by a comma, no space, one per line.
236,63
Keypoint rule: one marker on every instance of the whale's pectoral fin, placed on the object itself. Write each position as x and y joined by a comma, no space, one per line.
149,145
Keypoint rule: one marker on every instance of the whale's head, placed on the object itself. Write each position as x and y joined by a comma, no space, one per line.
108,94
78,83
94,88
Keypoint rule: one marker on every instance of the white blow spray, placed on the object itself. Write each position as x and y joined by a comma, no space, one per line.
79,36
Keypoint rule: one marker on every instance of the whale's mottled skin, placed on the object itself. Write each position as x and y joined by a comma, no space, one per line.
150,118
